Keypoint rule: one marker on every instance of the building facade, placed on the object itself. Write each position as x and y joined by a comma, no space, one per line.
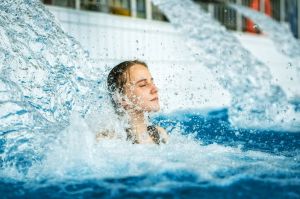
281,10
285,11
134,8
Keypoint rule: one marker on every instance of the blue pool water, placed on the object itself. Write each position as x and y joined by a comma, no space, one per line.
212,160
50,96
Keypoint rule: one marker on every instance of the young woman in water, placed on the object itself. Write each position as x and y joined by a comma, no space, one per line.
134,95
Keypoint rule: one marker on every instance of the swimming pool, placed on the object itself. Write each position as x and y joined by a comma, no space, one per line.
210,160
48,87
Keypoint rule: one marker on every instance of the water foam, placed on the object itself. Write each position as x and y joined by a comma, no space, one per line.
78,155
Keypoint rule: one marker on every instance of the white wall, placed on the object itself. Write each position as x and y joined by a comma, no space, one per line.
183,82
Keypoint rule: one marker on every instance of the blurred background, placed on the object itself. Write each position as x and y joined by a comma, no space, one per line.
280,10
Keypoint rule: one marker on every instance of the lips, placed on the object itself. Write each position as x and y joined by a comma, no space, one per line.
154,99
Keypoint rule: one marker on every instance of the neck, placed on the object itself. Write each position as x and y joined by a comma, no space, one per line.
137,121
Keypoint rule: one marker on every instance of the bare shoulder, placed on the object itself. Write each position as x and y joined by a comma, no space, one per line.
163,133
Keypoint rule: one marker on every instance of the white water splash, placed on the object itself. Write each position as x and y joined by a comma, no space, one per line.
46,76
279,33
78,155
256,103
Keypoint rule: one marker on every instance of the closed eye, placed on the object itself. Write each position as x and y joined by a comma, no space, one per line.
144,82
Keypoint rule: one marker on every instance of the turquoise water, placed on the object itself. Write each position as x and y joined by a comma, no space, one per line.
50,96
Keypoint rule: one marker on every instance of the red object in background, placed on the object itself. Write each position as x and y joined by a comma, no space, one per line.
255,4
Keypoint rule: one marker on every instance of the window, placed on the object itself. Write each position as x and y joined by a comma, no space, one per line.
120,7
141,8
95,5
63,3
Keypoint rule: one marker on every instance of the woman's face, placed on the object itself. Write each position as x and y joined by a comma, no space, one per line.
140,90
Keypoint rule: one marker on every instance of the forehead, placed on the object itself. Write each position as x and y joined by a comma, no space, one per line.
138,72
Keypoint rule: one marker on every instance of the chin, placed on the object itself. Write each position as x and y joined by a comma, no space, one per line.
155,108
152,108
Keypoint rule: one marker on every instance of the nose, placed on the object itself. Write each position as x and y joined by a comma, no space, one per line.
154,89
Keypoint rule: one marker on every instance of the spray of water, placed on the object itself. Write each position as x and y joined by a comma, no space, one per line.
45,75
256,102
76,155
279,33
52,101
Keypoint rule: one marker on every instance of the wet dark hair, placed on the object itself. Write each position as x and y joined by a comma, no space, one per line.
117,79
